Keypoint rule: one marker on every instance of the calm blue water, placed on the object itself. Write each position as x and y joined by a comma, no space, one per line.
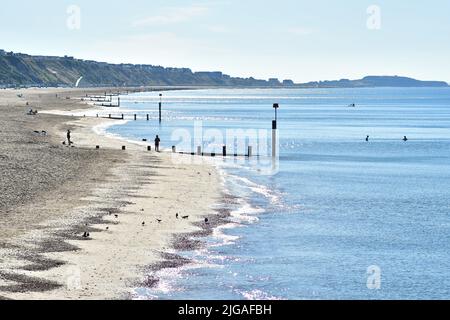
336,206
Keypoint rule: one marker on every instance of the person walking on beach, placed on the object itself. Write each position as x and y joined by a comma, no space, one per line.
157,142
68,138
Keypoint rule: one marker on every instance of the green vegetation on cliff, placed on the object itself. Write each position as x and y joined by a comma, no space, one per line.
18,69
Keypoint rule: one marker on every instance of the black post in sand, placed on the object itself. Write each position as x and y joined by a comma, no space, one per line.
160,107
250,151
276,106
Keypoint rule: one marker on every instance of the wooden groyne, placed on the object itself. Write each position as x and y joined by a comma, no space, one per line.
198,153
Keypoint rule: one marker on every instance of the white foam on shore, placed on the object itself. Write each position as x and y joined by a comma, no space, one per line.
261,189
256,294
169,280
246,213
222,238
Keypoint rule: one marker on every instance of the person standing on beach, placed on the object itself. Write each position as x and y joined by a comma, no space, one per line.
68,138
157,142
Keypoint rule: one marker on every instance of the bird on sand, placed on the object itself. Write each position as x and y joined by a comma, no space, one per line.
185,217
159,221
206,221
177,215
143,223
86,235
116,215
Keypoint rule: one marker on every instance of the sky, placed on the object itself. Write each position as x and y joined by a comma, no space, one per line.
286,39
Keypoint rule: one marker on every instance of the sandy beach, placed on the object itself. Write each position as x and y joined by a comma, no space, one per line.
128,201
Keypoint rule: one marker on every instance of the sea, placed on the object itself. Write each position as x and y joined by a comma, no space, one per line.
331,216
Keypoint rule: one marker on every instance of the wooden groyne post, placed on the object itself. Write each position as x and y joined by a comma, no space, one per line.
276,106
160,107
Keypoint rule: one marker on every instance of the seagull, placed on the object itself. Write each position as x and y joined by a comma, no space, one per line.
116,215
206,221
86,235
177,216
159,221
143,223
185,217
107,228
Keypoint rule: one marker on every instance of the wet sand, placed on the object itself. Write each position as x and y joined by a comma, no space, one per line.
126,200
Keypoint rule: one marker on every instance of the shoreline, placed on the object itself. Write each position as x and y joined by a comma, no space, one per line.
142,187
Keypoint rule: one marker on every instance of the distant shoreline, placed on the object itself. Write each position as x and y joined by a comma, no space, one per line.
28,70
182,88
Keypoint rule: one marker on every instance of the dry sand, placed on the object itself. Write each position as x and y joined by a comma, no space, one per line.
126,200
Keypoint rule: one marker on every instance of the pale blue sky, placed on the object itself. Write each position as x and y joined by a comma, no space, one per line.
295,39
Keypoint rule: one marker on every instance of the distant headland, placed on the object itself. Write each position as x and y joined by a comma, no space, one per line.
22,70
375,81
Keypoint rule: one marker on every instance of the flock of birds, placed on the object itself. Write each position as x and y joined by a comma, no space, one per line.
87,235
